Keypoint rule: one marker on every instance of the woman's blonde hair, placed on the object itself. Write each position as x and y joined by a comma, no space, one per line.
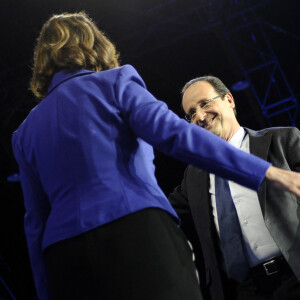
70,41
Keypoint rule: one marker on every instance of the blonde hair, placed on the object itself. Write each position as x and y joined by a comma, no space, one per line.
70,41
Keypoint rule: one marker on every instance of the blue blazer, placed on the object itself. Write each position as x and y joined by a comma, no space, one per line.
85,156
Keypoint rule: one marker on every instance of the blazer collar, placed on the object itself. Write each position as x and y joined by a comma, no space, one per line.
259,145
259,142
63,76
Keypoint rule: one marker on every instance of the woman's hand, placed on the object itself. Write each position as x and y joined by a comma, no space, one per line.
287,180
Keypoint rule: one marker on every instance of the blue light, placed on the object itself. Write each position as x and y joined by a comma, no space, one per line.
240,86
13,178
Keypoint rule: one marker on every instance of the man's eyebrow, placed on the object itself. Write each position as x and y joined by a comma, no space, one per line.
197,103
203,99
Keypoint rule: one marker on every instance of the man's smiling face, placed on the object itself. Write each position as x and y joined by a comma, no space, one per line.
218,116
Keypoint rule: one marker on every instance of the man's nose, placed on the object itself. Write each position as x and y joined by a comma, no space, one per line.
200,115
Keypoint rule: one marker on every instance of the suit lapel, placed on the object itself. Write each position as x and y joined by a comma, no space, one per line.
200,200
259,145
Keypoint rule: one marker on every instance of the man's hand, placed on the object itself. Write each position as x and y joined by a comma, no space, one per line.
287,180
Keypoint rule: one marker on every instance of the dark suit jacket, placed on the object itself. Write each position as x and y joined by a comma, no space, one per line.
281,209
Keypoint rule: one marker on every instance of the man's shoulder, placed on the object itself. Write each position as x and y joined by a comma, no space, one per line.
272,130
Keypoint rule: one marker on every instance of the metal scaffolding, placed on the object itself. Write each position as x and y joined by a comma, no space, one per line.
259,64
241,27
246,36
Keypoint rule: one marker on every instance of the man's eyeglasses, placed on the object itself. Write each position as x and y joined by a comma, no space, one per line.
204,105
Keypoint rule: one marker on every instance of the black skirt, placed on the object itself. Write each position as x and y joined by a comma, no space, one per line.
143,256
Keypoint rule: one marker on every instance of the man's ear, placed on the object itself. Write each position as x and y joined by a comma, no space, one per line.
230,100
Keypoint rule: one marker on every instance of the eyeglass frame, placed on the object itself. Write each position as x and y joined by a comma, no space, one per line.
189,118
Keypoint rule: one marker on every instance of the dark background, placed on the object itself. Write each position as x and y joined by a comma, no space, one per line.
169,42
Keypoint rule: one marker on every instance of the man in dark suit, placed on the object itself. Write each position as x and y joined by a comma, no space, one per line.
268,221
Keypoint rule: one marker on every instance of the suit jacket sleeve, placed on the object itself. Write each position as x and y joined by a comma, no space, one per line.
151,120
37,211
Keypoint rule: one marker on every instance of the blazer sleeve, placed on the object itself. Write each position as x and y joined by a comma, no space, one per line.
37,210
151,120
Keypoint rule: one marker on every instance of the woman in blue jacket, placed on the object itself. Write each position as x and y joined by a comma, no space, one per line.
97,224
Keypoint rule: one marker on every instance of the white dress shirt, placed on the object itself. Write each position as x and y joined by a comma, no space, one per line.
260,246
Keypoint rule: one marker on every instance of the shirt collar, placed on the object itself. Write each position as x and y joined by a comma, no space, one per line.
237,138
62,76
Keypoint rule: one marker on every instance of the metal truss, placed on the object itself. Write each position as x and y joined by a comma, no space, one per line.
196,17
260,66
247,39
192,19
242,29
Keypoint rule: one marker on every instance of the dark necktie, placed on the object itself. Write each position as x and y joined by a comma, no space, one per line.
230,232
